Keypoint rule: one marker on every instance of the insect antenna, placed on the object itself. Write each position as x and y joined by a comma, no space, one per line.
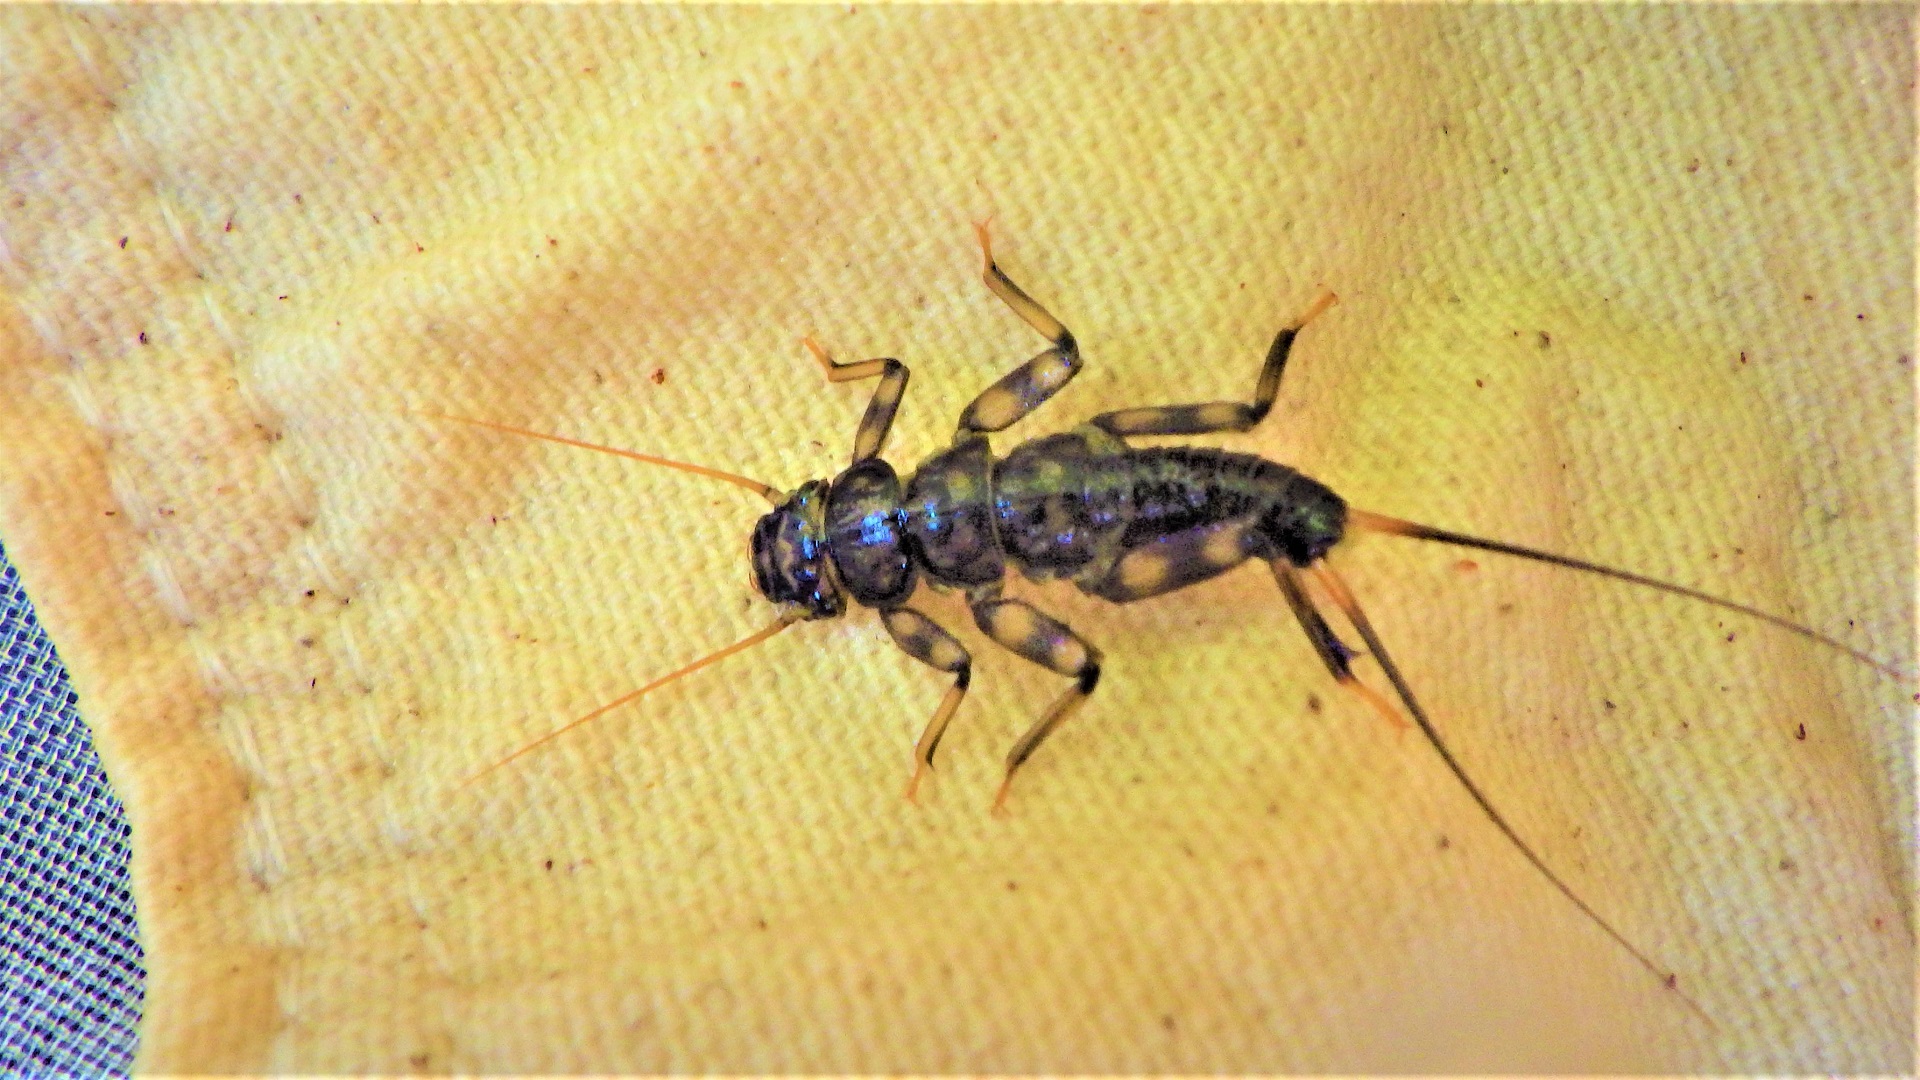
765,491
1343,599
742,645
1381,523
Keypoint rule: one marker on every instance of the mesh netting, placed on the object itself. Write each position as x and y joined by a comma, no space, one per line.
70,964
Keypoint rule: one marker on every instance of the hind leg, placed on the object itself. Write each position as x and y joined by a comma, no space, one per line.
1207,418
1028,386
1333,652
1343,599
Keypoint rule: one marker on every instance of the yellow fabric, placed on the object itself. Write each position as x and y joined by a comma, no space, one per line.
1634,284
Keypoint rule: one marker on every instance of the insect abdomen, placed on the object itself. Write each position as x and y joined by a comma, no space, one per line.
1127,523
1122,523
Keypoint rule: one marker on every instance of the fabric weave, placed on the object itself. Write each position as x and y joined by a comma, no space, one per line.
1632,283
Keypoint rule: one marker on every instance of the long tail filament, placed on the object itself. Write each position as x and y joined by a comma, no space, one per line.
1381,523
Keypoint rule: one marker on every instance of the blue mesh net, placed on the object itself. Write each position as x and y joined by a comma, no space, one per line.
70,964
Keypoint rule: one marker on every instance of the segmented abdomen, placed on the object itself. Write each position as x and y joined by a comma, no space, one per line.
1123,523
1075,504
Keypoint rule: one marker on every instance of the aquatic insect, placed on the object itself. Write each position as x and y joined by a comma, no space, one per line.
1121,522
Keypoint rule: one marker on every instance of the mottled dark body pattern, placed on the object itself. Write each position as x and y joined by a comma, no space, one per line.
1120,522
1085,506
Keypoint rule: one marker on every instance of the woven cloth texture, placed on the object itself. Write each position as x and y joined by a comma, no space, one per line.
69,964
1635,284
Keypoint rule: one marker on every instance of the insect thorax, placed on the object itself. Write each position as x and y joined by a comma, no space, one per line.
866,535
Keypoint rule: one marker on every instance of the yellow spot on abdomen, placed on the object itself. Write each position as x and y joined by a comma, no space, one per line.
1226,547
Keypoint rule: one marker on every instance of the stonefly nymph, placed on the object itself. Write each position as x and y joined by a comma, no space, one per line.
1121,522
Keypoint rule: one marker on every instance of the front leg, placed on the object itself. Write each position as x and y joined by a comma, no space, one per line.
1028,386
886,397
922,639
1022,628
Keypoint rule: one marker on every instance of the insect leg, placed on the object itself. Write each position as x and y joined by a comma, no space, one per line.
1046,641
1334,653
1028,386
1209,417
922,639
886,397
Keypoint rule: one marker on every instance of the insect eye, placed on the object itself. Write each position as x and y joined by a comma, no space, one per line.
761,549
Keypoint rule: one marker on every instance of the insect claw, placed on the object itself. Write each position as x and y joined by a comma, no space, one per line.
981,230
1322,302
1380,703
913,785
999,808
819,351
